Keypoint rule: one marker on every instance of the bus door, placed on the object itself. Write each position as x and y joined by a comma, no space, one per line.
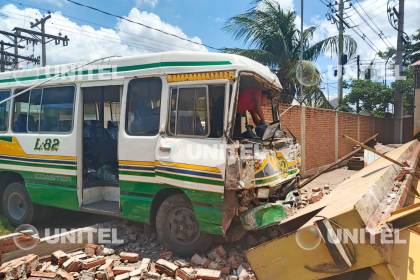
101,123
192,153
139,136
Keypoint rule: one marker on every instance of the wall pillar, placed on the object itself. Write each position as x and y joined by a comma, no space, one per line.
336,136
303,136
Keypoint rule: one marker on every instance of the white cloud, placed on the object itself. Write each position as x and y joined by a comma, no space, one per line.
147,3
88,42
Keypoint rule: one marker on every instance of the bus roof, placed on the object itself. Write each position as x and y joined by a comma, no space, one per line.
147,64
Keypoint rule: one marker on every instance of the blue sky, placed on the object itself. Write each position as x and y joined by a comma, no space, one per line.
92,34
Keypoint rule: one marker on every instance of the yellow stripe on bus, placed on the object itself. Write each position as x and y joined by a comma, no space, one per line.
171,164
190,166
138,163
15,149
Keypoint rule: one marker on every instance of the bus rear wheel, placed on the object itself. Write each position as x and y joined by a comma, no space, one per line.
178,229
17,205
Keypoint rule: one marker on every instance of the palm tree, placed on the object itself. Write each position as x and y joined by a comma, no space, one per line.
274,40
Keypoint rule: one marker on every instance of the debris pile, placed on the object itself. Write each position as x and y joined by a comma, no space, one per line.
310,196
97,262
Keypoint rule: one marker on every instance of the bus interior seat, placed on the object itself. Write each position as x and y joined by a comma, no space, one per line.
24,123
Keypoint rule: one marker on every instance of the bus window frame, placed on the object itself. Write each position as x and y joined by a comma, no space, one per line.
70,132
124,107
228,95
177,87
9,103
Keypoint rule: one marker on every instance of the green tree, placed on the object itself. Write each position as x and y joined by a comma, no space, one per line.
369,96
274,40
407,87
413,48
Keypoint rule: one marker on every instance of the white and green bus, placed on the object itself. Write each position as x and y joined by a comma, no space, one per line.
154,138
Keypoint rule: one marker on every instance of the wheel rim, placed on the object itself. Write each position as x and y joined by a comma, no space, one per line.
16,206
183,226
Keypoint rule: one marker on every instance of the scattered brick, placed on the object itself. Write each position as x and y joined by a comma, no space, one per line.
145,264
45,274
182,263
186,273
123,276
92,262
122,269
130,257
90,249
59,257
64,275
165,267
108,263
72,265
153,275
208,274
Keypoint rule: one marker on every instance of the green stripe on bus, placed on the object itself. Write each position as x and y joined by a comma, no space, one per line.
137,173
151,189
121,69
6,138
32,164
190,179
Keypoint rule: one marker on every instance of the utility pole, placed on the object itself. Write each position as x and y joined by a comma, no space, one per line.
358,67
398,97
14,37
340,51
43,43
301,46
4,60
43,37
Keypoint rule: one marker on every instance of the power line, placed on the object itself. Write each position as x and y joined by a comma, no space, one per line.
380,34
157,45
142,24
374,23
111,39
356,29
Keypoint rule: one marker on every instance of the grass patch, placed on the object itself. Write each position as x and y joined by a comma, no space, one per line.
5,227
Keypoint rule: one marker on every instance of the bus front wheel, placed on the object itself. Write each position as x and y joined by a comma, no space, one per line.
178,229
17,205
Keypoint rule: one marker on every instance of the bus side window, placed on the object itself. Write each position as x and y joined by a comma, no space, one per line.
197,111
57,109
143,106
20,112
44,110
4,110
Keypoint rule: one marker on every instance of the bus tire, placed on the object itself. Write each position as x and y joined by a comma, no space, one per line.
17,205
178,229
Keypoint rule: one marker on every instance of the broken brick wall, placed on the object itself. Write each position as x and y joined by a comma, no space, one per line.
320,132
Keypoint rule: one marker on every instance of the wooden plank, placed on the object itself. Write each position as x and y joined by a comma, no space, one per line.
63,241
